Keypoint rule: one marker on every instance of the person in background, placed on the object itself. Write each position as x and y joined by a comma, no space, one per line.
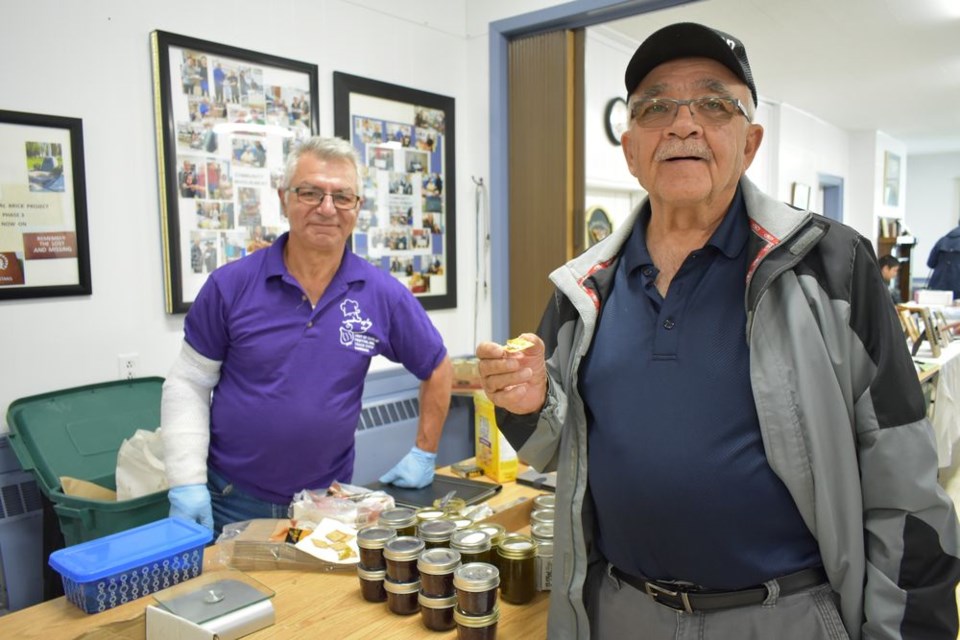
723,388
945,261
265,395
889,270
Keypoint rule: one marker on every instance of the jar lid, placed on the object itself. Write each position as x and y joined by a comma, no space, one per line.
542,515
545,501
542,531
429,513
401,587
471,540
436,603
494,530
476,622
398,517
436,530
375,536
462,522
476,576
438,560
371,574
403,548
516,546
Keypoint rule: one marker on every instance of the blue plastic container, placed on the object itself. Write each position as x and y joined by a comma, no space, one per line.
109,571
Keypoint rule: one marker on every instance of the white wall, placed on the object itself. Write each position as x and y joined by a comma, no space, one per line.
91,60
932,204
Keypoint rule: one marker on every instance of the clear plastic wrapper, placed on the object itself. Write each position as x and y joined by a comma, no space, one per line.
350,504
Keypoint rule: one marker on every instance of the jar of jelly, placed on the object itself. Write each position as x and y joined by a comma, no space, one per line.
544,501
544,566
370,541
436,567
473,545
476,627
452,506
401,556
541,515
437,613
402,519
518,570
402,597
371,584
462,522
542,532
436,533
496,533
425,514
476,585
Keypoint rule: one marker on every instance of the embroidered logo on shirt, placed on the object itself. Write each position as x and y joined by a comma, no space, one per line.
354,327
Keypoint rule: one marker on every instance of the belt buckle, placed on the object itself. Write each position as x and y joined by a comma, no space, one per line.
655,590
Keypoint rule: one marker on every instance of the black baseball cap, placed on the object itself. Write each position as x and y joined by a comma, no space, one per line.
689,40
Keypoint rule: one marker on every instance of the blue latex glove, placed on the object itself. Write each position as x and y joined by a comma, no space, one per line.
191,502
415,471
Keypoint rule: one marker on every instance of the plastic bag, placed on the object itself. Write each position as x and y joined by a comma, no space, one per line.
350,504
140,467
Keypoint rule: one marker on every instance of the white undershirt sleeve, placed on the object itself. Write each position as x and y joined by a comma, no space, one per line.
185,416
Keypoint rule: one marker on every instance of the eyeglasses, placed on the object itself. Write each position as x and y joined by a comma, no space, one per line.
660,112
313,197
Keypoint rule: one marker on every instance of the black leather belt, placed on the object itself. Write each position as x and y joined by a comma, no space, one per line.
686,599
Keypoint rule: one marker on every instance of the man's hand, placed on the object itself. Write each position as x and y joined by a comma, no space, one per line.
191,502
415,471
515,381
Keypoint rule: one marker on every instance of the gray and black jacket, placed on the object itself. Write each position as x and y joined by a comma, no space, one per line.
841,412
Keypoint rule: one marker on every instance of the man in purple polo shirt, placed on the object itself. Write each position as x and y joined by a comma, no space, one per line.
265,395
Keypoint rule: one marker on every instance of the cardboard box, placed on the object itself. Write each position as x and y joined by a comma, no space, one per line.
494,454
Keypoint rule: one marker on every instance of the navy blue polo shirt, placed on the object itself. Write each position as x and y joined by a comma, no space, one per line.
677,470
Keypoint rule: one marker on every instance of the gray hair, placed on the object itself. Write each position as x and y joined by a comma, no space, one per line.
323,149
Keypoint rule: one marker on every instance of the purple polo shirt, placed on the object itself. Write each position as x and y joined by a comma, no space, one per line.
287,404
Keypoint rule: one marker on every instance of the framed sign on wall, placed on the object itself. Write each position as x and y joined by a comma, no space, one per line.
44,248
226,119
407,223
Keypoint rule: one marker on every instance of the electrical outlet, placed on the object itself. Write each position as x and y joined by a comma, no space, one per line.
128,365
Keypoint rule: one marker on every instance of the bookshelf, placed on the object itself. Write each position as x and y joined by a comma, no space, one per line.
892,239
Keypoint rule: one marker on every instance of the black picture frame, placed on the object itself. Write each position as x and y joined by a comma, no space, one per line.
226,118
407,223
44,242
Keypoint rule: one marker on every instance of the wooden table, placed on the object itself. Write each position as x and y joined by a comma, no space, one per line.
307,604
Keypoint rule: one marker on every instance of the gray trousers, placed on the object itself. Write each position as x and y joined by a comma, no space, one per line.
618,611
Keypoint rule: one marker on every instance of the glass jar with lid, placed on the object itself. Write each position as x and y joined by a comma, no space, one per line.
476,585
437,613
402,597
544,501
496,533
371,584
473,545
517,561
425,514
544,566
401,558
483,627
436,533
436,567
370,541
541,515
403,519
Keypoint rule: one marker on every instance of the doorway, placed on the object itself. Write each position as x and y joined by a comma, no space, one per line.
831,196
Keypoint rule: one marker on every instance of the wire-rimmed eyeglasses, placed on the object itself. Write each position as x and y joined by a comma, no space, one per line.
313,197
660,112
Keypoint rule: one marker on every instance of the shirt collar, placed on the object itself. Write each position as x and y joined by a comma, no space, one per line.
350,268
729,238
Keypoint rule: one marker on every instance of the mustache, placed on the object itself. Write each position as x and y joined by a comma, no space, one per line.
684,149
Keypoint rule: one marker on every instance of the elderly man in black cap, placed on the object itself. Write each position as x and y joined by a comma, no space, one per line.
722,385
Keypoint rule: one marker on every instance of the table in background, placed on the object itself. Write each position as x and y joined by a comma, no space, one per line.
946,399
308,604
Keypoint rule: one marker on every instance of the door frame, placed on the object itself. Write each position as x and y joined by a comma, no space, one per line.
570,15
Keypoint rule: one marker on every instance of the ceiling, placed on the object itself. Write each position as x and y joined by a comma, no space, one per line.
887,65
